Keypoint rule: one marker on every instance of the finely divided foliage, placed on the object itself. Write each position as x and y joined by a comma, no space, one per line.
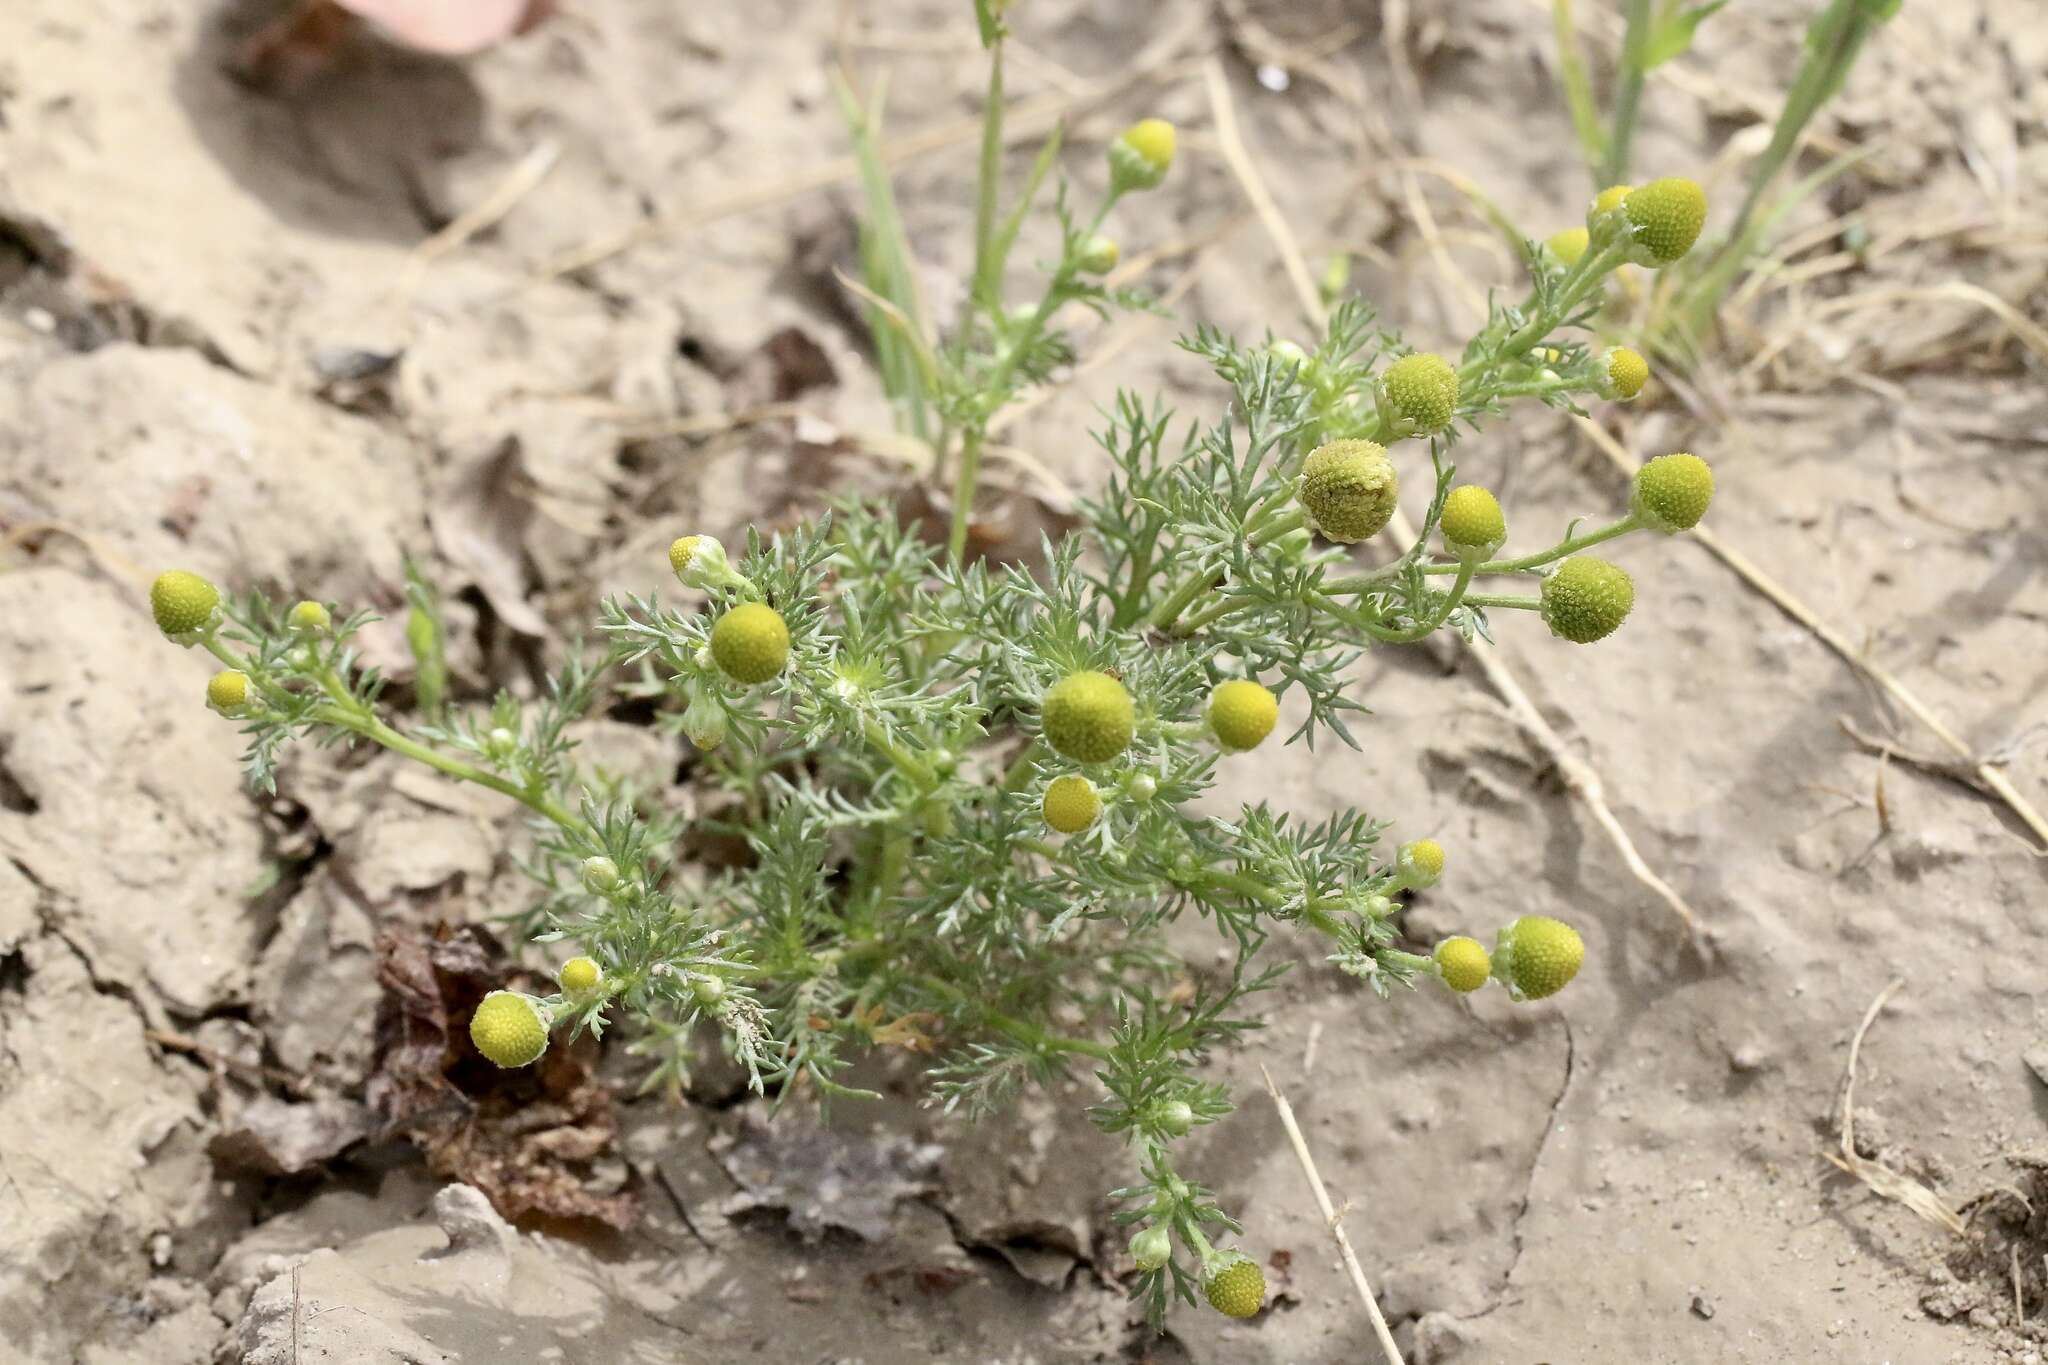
889,770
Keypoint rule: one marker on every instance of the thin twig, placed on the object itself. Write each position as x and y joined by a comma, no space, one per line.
178,1042
1240,163
1579,776
1331,1220
520,181
1987,773
1875,1174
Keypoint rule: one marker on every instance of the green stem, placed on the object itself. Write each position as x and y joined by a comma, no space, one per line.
1578,89
1256,525
1020,768
895,861
1577,282
1833,42
347,713
1314,913
1168,611
1628,93
1445,607
909,764
1209,616
1413,961
986,268
1015,1028
1557,551
1275,528
997,382
963,488
1487,599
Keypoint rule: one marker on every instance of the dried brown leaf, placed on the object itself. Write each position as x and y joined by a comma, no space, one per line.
534,1140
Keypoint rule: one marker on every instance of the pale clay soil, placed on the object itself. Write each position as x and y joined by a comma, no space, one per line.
1631,1173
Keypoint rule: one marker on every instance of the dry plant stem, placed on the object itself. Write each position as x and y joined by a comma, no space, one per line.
178,1042
1987,773
1579,776
1878,1176
1332,1220
523,179
2031,333
1232,146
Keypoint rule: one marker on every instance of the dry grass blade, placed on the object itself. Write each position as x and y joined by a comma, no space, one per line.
1986,773
2029,332
523,179
1240,162
1332,1219
1579,776
1878,1176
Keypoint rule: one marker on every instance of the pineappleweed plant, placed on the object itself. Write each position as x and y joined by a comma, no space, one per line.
970,788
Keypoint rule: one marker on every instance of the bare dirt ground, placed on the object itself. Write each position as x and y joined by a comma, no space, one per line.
222,347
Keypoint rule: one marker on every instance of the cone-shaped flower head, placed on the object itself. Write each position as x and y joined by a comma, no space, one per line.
1349,490
1586,599
1089,717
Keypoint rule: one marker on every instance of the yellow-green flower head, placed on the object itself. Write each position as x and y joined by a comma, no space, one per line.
182,602
1152,1248
1089,717
1236,1287
600,875
750,643
580,975
1140,158
1472,522
1099,255
1610,199
509,1028
1349,490
1672,492
228,691
1543,955
1424,389
1242,714
1071,803
1420,862
1288,353
700,562
1569,245
309,618
1586,599
1463,963
1624,374
1666,216
704,721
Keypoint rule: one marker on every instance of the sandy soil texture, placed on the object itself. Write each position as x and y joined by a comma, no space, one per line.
527,316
